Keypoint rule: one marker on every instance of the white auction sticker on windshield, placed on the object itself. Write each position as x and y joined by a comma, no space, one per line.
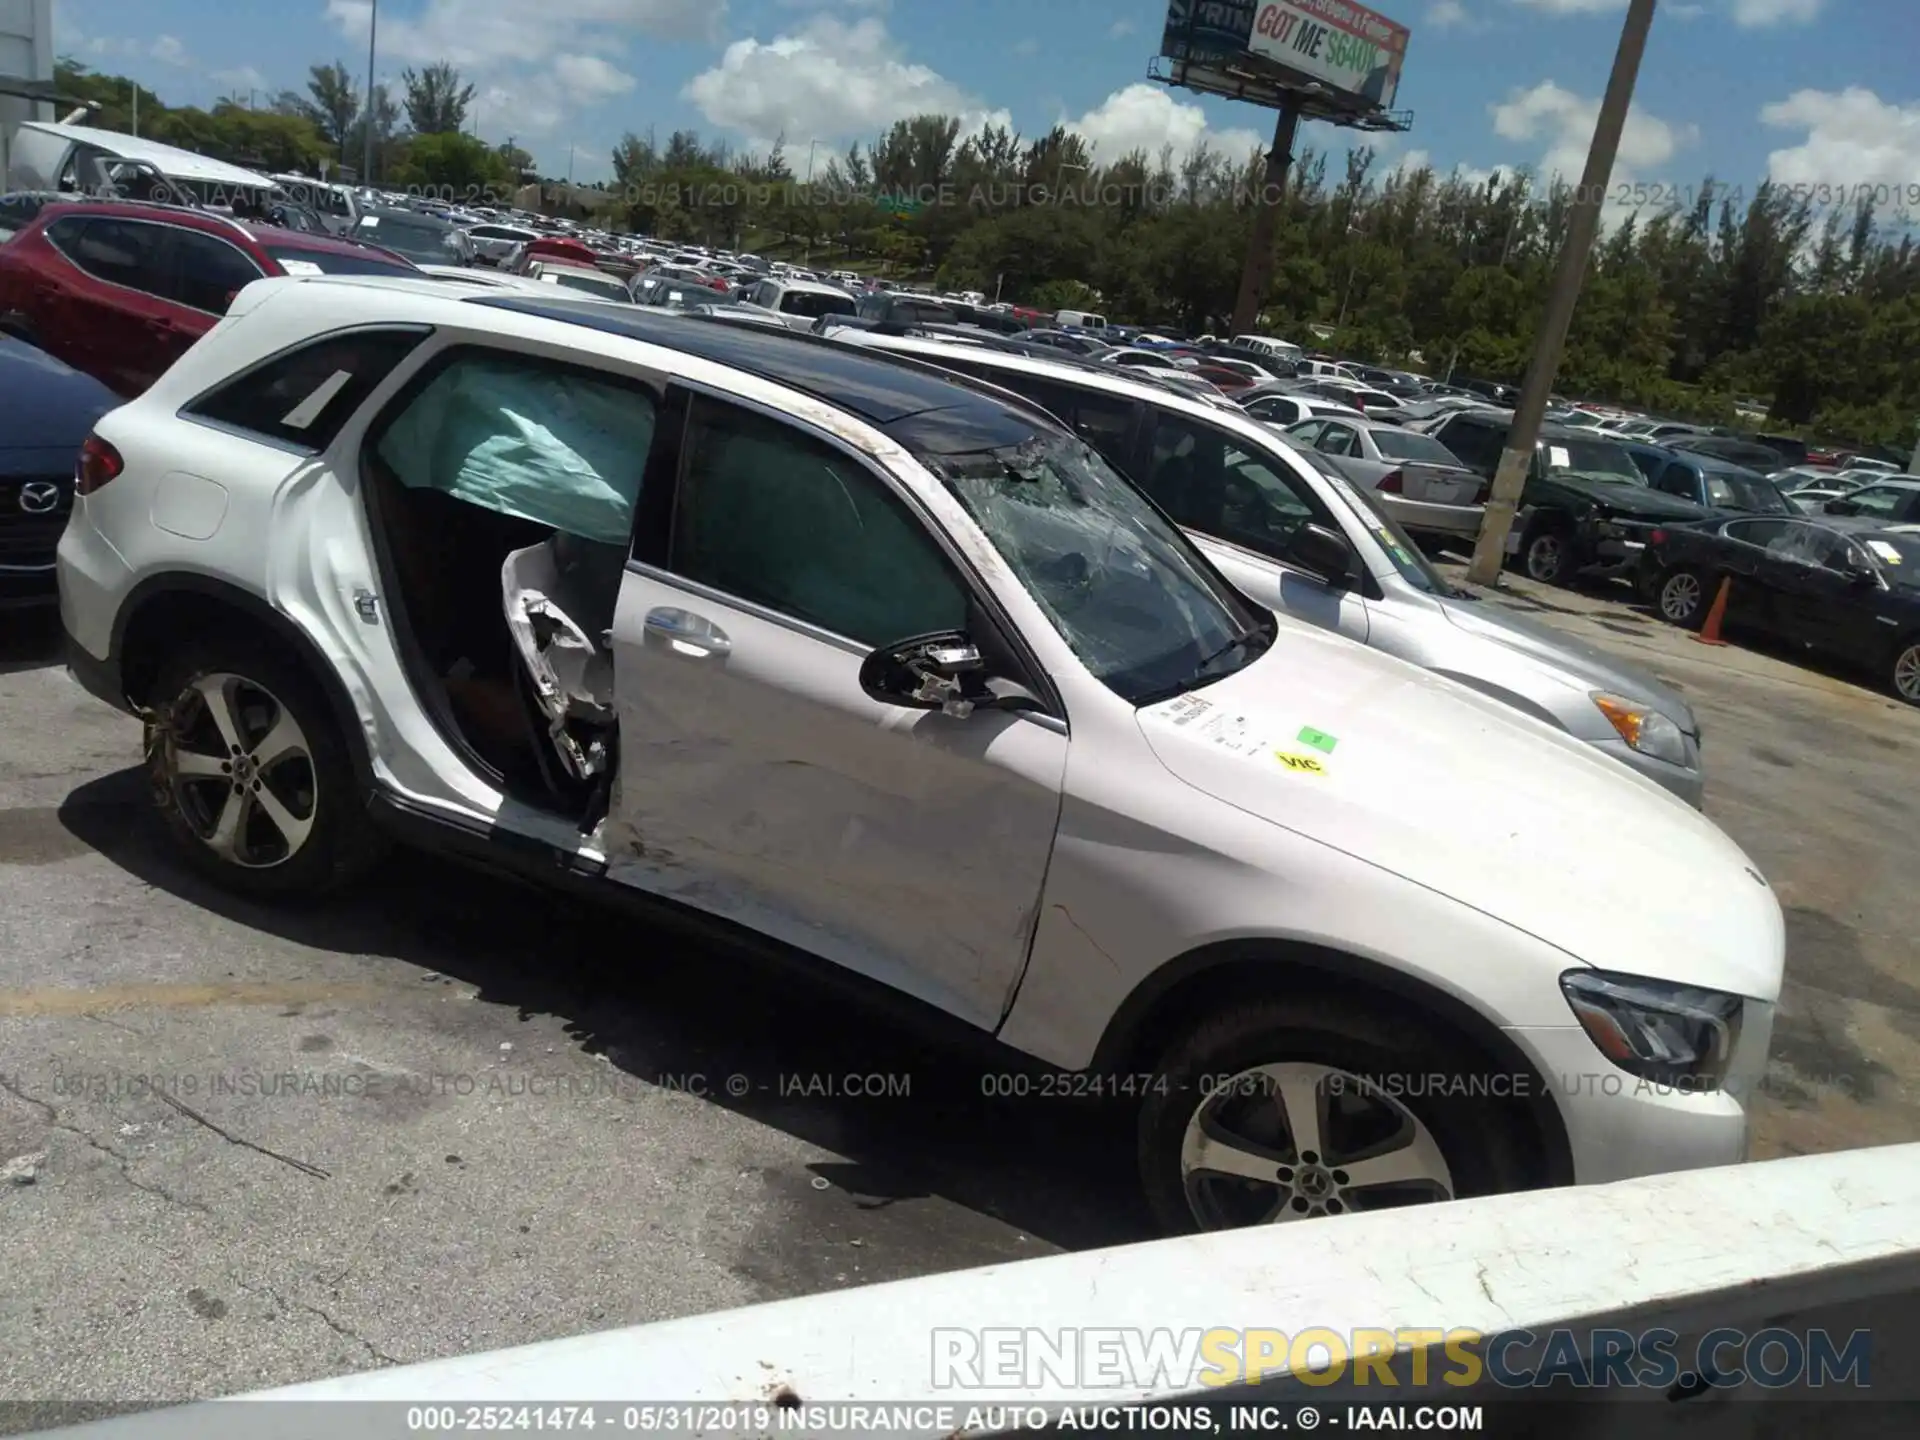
1559,457
370,222
1207,722
1884,552
301,267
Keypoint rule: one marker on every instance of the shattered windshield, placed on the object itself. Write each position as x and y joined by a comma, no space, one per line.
1127,591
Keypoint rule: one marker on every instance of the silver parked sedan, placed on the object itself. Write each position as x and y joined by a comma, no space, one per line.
1295,535
1416,479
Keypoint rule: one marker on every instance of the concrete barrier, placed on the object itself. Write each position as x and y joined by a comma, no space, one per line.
1774,1298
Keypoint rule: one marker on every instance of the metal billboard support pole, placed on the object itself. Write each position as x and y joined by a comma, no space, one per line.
1258,271
1489,552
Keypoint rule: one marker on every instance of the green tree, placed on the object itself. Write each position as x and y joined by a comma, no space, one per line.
436,100
332,105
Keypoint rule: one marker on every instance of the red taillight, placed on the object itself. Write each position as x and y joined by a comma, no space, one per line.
1658,537
1390,483
99,462
719,284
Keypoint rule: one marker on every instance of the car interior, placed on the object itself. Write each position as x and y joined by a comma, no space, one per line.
502,496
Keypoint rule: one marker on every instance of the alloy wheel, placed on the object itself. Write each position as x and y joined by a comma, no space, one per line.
1680,597
1906,674
1546,557
236,763
1296,1141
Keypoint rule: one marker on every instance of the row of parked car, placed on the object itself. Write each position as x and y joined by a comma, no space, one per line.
1059,708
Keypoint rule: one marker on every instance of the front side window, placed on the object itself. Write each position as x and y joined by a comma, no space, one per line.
778,518
1478,446
1767,534
560,446
208,272
1212,483
1879,502
811,304
1127,592
303,398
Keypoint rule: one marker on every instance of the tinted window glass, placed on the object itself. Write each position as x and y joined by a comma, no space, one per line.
1477,445
812,304
208,272
1767,534
778,518
1208,481
123,252
1676,479
303,398
1307,432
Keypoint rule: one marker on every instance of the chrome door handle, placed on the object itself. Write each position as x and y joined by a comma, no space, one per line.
694,636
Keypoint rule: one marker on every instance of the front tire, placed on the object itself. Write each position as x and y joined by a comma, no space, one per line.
251,774
1903,675
1287,1110
1547,555
1683,598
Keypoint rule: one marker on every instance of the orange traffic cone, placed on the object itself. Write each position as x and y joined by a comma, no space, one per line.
1710,632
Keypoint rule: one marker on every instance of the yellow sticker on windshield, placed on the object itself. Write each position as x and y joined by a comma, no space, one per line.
1300,764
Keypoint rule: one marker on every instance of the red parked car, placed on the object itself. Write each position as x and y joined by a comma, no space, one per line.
119,289
565,249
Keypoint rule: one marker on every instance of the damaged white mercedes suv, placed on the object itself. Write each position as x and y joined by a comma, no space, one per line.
890,668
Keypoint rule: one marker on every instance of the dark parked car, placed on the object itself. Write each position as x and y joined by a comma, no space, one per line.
47,410
1890,501
1586,504
424,239
1750,453
890,307
121,288
1845,587
1715,484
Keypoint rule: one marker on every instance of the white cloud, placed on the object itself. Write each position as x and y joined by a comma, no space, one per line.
1756,14
1749,14
168,50
828,81
244,77
1573,7
1147,117
1854,143
480,34
1444,14
1564,122
1120,28
591,78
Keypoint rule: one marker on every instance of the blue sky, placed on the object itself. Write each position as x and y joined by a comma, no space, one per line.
1815,92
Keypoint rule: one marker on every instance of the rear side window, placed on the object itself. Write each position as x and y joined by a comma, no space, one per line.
121,252
303,397
1477,445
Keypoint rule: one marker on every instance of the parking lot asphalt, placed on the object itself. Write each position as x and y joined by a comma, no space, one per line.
246,1146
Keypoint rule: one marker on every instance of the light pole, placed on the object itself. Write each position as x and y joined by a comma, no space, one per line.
1489,552
812,145
366,150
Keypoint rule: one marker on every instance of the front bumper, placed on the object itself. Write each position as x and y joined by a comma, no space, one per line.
1620,1127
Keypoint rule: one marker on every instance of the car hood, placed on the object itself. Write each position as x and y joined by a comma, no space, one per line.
46,405
1581,662
1628,498
1458,793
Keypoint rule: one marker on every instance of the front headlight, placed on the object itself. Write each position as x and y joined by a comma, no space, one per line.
1671,1034
1644,728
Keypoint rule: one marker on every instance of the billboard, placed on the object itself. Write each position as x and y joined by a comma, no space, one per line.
1208,30
1345,46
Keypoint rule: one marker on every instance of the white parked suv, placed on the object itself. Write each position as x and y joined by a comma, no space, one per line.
886,666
